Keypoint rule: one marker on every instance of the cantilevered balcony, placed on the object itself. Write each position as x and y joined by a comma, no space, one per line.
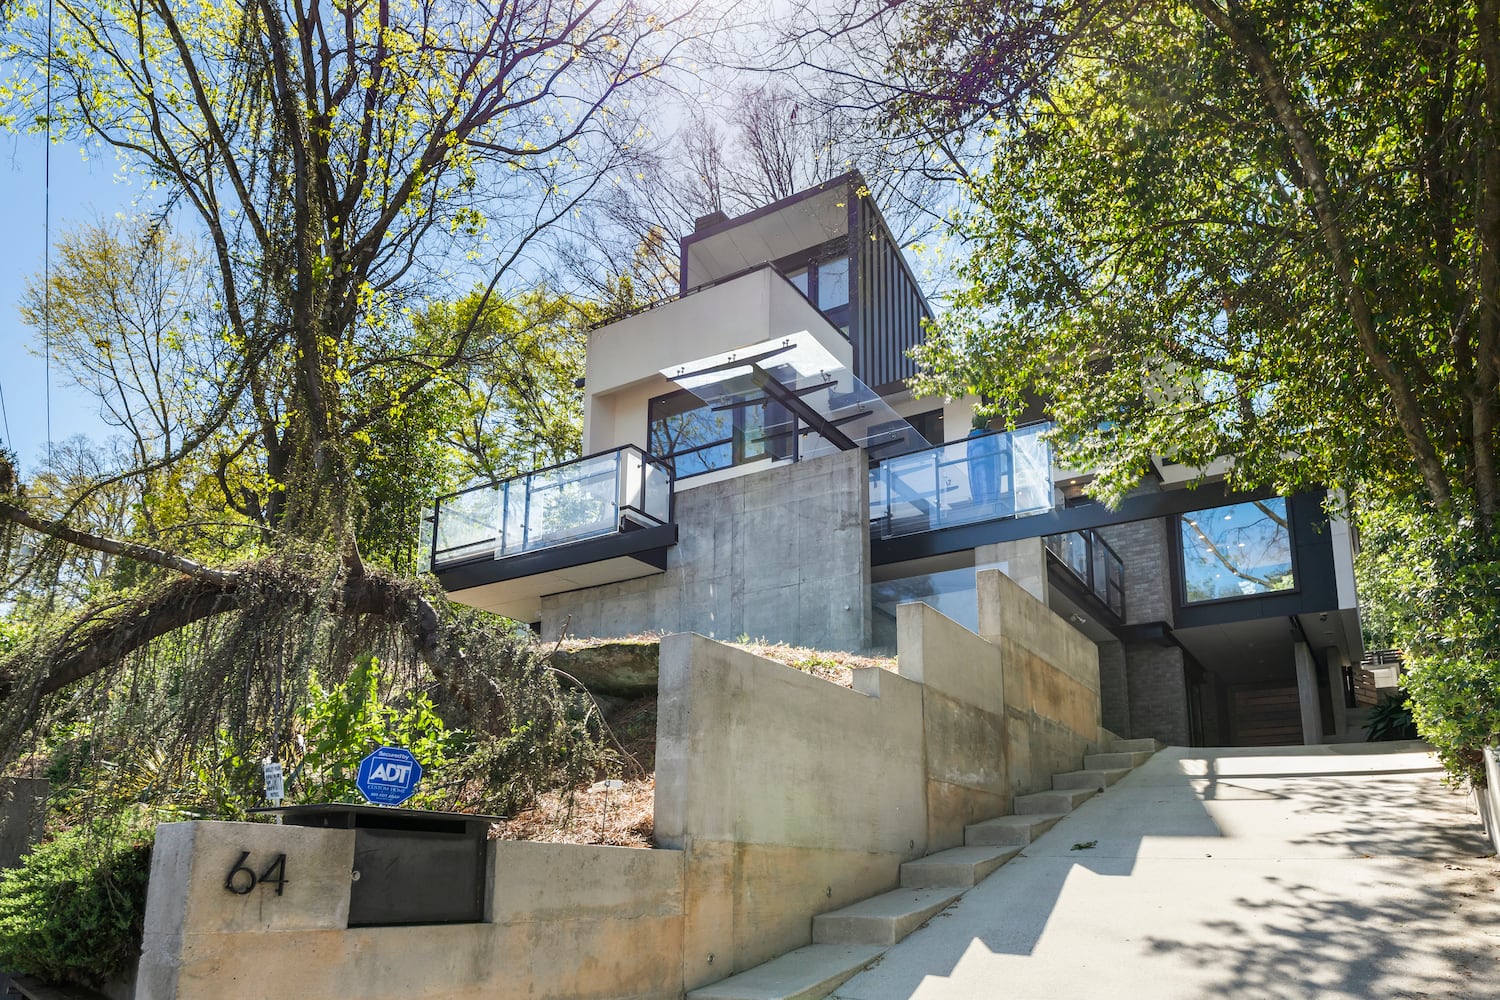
601,519
985,477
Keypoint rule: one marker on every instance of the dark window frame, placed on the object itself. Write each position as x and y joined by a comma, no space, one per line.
1179,558
737,440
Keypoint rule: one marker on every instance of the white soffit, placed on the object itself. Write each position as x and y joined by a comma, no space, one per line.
795,227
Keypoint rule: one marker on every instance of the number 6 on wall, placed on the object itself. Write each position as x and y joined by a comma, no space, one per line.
241,879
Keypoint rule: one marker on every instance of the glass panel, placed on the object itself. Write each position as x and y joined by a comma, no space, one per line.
693,437
799,278
952,592
833,283
571,502
1236,551
976,479
798,366
1033,465
465,525
658,501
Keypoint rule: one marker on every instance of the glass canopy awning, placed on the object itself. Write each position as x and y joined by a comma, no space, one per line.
835,411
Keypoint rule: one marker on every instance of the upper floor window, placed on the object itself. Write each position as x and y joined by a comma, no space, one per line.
695,438
1239,550
833,283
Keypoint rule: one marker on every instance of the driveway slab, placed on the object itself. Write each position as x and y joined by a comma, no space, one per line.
1343,871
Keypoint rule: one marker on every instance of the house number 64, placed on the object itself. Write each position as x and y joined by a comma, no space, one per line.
241,878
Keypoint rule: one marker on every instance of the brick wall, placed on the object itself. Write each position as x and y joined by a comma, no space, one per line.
1114,690
1158,693
1142,547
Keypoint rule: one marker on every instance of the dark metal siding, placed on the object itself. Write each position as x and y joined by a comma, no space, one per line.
890,307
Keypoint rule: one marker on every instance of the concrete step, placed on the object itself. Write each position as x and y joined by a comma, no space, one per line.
882,920
1109,761
809,973
1097,779
1133,746
1045,803
1008,831
960,867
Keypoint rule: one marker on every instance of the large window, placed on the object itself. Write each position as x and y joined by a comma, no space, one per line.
1236,551
696,438
826,284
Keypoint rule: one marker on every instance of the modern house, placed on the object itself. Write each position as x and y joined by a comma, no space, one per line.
755,466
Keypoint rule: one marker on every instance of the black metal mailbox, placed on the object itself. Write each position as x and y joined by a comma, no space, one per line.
411,866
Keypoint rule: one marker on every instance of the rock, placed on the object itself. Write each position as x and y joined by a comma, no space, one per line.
623,669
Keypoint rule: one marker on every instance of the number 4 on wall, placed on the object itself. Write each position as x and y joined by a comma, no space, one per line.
241,878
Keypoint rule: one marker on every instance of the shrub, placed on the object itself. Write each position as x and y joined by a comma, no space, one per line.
74,909
1456,706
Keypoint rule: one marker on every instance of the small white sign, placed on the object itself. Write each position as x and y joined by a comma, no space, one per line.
274,790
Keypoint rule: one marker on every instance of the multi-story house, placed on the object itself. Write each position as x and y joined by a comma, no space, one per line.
755,466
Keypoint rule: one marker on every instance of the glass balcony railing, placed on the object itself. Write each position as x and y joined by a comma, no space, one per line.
1097,566
984,477
587,498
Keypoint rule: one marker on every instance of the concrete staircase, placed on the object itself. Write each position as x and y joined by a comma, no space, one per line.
849,940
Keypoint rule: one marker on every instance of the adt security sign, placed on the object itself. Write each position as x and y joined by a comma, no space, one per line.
389,776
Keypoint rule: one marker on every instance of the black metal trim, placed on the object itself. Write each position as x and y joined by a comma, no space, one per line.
903,548
644,544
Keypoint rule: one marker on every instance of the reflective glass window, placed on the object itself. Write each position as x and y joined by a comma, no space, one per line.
1236,551
833,283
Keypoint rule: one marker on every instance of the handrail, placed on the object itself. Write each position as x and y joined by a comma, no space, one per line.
553,505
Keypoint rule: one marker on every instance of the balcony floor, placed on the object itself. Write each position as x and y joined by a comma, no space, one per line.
514,586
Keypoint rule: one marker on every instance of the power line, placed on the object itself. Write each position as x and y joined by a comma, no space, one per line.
47,247
10,442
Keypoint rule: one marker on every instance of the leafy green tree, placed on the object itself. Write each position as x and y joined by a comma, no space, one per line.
331,170
1248,228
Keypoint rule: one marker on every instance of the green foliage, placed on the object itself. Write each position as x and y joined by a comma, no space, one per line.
1455,704
343,723
1429,586
1391,720
73,911
1156,260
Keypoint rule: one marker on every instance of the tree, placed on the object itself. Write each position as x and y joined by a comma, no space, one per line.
1265,230
340,164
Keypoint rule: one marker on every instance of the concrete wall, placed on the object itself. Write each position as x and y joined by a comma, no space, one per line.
783,555
1488,797
565,921
792,797
625,359
778,796
1051,673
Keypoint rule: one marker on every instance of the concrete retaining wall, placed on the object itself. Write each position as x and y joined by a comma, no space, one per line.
782,555
564,921
778,796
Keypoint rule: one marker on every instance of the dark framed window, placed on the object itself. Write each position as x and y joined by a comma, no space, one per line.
824,280
1238,550
696,438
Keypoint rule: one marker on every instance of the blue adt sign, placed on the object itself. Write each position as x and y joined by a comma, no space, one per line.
389,776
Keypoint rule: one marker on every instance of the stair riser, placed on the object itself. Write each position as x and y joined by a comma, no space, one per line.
1147,745
916,875
1097,780
980,835
1106,761
1052,802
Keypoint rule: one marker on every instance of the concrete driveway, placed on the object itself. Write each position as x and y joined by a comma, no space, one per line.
1346,871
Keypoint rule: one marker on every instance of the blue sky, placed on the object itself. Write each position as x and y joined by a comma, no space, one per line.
83,188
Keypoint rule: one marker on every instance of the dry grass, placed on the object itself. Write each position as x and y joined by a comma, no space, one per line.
621,817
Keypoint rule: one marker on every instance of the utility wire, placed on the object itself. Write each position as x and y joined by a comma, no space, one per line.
47,238
10,441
